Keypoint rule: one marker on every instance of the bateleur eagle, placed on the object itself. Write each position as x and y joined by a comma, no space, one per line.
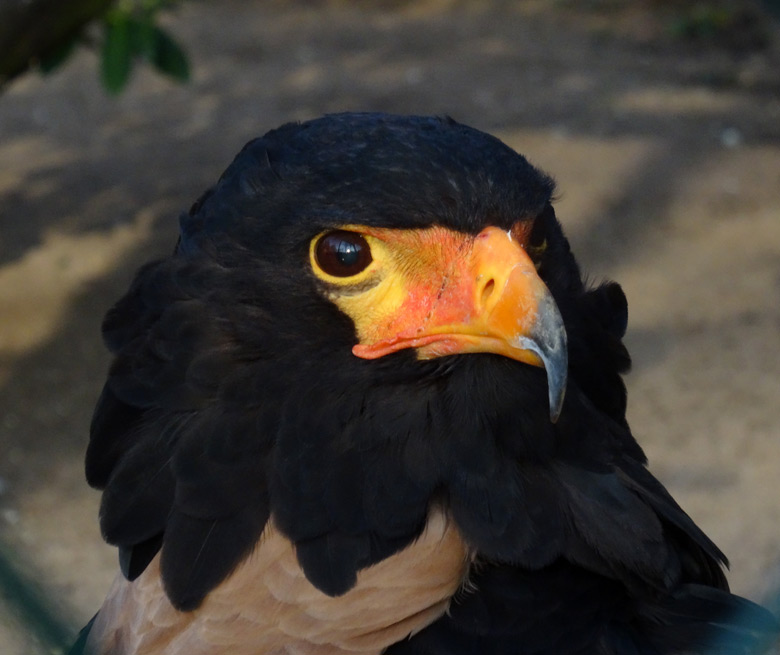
368,405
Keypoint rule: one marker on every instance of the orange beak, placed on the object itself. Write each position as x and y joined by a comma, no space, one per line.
482,295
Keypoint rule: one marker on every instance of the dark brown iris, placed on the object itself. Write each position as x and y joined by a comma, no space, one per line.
342,253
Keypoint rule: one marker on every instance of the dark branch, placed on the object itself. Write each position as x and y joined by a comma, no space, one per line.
32,30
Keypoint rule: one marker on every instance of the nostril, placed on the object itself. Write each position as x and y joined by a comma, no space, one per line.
487,291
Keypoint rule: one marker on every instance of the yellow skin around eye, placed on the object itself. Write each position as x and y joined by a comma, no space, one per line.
410,272
442,292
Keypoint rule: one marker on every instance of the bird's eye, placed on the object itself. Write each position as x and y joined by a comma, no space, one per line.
537,238
342,253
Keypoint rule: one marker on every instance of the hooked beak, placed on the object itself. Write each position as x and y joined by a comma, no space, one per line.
490,300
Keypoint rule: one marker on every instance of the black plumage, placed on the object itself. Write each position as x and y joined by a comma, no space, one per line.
234,396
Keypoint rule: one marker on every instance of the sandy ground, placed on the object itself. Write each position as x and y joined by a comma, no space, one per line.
667,157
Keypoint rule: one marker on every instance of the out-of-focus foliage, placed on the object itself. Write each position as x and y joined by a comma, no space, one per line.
734,25
44,33
741,26
130,32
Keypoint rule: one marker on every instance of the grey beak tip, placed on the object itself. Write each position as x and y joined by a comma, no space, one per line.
550,343
557,393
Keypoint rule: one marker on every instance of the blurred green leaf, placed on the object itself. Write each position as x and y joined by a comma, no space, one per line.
116,60
129,34
143,38
169,58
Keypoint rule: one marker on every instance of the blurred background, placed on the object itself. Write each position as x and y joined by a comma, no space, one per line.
659,120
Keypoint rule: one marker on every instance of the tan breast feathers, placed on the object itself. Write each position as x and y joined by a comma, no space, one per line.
267,606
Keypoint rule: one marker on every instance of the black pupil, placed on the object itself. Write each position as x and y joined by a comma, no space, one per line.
343,254
348,253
